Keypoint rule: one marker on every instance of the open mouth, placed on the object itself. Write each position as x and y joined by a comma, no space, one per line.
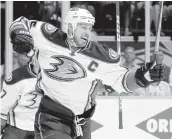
84,39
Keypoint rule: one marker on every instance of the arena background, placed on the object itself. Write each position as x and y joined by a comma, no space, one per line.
140,38
136,111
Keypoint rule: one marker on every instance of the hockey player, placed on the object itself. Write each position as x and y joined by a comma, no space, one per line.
19,102
71,68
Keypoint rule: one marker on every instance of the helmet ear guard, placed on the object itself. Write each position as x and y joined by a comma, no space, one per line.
77,15
70,30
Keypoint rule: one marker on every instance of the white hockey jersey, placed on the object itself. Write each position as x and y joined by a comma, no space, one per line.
19,100
68,78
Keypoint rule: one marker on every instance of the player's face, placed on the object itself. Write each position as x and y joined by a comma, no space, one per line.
82,34
23,60
160,57
129,55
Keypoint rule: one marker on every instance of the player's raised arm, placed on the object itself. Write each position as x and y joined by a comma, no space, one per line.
123,80
20,35
28,35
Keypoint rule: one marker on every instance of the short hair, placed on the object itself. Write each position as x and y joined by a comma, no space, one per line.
129,47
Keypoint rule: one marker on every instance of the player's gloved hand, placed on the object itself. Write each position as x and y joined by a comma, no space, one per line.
156,74
22,40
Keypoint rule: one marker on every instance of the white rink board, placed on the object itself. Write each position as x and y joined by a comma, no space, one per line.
135,111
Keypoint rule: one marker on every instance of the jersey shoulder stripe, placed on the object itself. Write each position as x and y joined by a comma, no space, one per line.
101,52
94,49
19,75
54,34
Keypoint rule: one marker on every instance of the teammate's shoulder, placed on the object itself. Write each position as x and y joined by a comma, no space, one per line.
103,53
18,75
53,34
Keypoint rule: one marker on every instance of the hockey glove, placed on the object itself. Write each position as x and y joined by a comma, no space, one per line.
156,74
22,41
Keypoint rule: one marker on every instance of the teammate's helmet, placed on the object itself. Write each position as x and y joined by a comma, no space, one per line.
77,15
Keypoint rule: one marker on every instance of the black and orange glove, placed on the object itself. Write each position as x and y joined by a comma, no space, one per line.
22,41
155,74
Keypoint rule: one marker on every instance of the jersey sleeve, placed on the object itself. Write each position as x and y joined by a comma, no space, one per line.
115,76
9,96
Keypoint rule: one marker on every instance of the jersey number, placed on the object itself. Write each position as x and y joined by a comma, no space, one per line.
33,24
3,93
30,100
